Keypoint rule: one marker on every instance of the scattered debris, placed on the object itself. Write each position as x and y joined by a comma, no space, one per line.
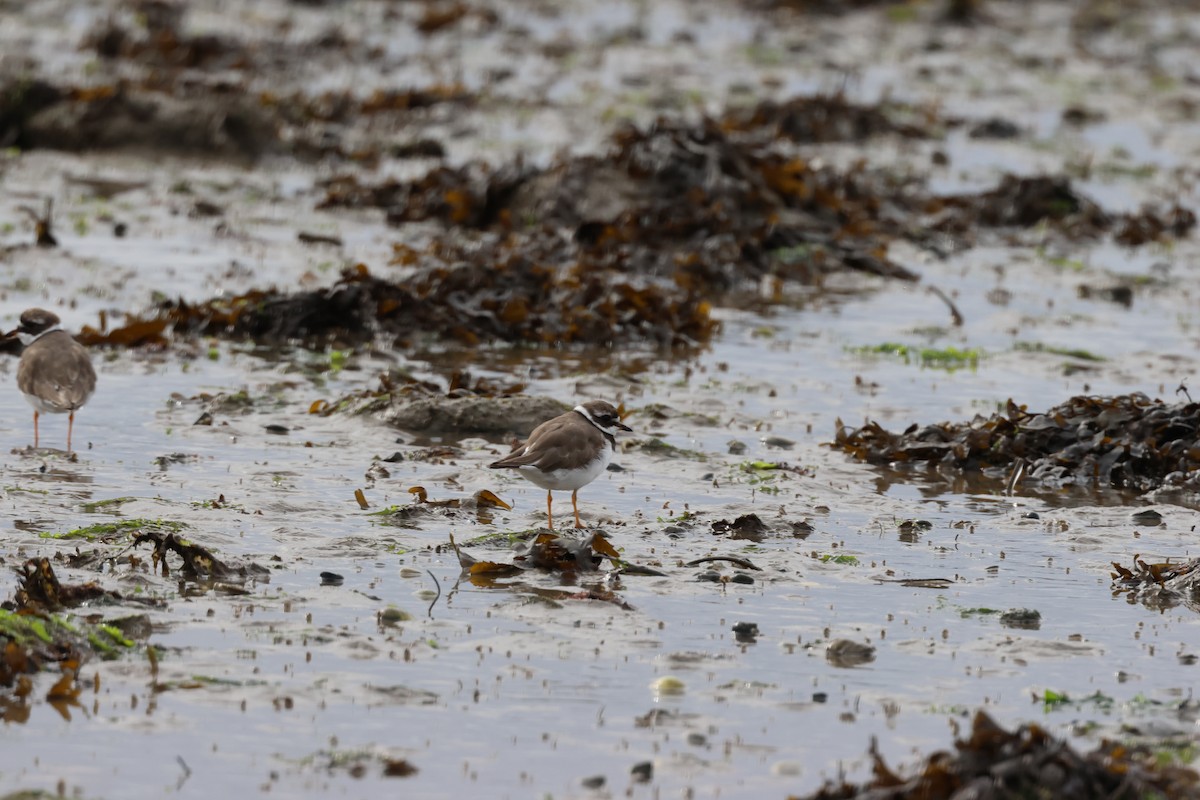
198,562
1159,585
546,550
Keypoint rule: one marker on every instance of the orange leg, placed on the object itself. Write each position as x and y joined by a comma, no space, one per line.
35,431
549,516
70,427
575,505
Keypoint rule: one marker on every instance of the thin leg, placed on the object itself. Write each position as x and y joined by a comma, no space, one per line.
575,505
35,432
70,427
549,516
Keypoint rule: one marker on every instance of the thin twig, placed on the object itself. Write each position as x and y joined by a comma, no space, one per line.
429,613
187,773
954,314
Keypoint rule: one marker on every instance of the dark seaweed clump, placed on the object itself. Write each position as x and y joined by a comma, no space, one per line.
492,294
695,204
1125,442
995,764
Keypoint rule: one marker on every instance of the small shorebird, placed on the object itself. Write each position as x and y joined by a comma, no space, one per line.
55,373
567,452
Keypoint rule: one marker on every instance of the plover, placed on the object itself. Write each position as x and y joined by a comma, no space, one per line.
55,373
567,452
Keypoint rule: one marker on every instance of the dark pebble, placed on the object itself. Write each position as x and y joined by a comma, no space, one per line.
594,782
642,771
331,579
1024,618
745,632
820,697
1147,516
711,577
995,128
741,577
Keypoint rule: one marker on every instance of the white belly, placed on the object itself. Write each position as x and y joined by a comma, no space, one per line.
572,479
43,407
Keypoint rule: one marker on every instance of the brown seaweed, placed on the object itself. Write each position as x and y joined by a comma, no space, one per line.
1124,442
992,763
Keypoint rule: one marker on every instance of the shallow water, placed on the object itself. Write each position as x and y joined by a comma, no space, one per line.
497,690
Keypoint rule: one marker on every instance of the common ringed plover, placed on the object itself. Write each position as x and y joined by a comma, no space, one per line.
55,373
567,452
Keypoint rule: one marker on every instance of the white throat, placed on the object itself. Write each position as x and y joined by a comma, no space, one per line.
587,415
29,338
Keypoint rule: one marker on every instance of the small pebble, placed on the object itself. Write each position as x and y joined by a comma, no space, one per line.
849,653
741,577
594,782
668,685
642,771
391,615
331,579
697,739
711,577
